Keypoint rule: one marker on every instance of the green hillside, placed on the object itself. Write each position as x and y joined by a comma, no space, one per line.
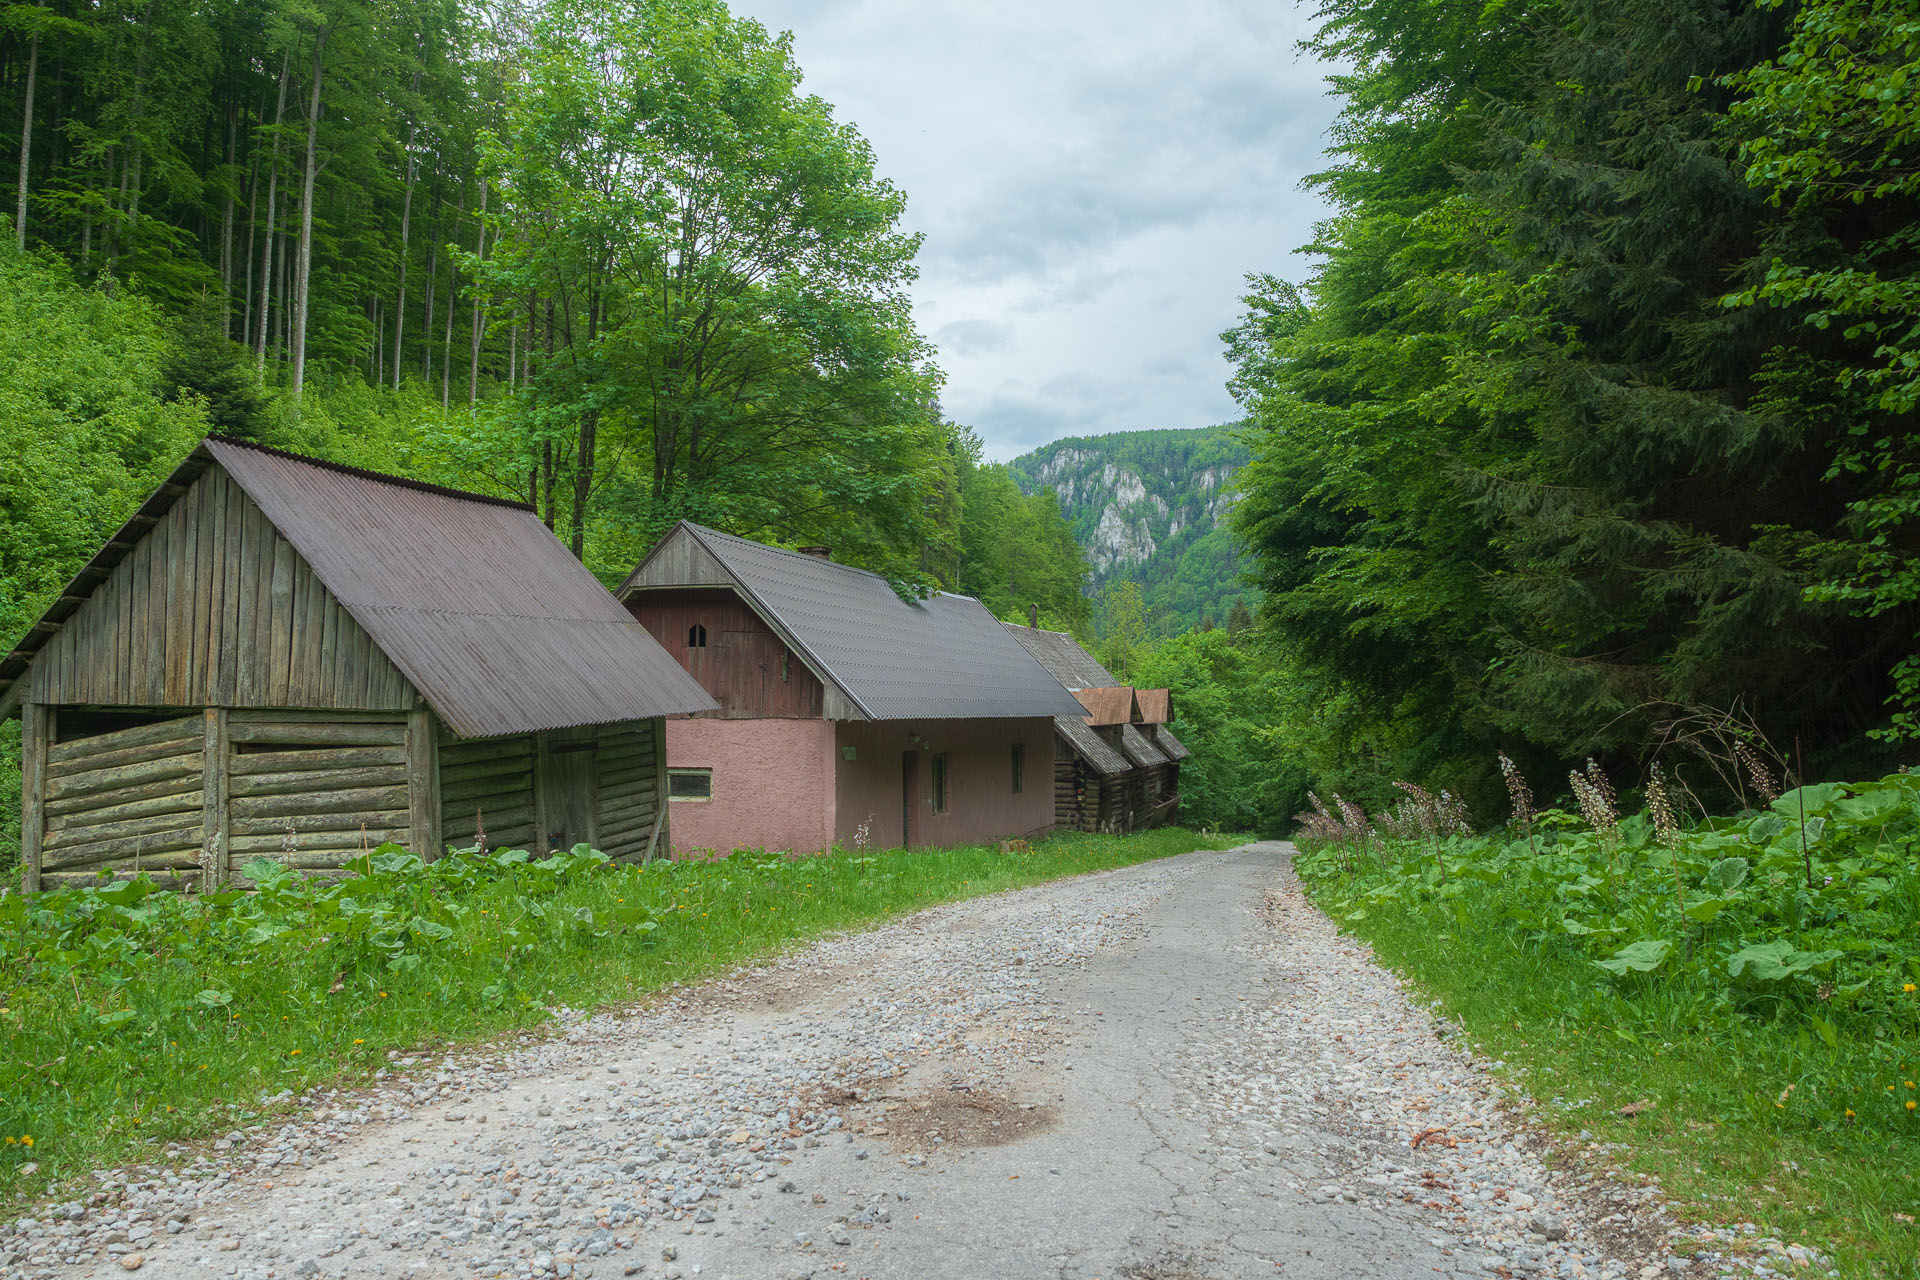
1148,507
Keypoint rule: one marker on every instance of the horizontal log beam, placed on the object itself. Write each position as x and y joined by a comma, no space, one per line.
154,845
364,799
317,780
183,730
272,845
339,823
251,763
178,802
317,733
96,781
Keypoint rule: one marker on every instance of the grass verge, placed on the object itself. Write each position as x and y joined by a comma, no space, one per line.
131,1017
1780,1098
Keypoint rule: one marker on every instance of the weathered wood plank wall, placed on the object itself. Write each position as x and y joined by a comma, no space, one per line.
628,763
214,608
745,666
487,783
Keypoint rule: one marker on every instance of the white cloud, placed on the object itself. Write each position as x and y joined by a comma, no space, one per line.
1093,180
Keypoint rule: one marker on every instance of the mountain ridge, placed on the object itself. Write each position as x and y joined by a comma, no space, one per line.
1149,507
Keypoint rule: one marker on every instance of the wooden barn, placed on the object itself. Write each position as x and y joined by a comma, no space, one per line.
283,657
1117,765
846,714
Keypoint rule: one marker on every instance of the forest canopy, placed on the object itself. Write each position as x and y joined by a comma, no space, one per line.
1601,401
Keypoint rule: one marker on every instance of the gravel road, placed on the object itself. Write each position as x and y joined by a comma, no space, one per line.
1175,1070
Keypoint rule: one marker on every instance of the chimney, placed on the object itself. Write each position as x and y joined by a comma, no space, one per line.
818,552
1033,617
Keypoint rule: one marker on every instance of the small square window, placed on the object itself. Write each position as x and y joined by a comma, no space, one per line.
940,783
689,784
1019,767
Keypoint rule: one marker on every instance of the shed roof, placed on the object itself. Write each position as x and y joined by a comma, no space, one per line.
941,658
1150,744
1106,706
472,597
1152,706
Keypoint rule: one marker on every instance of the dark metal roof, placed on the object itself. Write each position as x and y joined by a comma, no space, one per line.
1106,706
942,658
478,604
1141,746
1062,655
1138,749
1099,754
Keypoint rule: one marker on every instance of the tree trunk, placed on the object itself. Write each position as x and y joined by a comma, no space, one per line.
446,352
26,144
589,439
547,459
479,317
253,227
303,268
226,222
273,205
400,291
426,325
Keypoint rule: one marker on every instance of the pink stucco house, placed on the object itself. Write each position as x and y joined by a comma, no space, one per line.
846,714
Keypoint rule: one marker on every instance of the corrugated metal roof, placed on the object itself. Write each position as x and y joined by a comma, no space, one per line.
942,658
1109,706
1062,655
1155,706
1138,749
474,599
1099,754
478,604
1163,738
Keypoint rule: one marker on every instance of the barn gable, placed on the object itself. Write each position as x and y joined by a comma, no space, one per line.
213,607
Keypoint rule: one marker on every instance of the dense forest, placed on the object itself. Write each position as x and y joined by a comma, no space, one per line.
600,255
1599,411
1150,507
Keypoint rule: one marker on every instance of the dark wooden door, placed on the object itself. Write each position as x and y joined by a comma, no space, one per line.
909,797
571,802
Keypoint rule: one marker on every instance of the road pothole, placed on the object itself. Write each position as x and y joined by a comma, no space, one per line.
948,1117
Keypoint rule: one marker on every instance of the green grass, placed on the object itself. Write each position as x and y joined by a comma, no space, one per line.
131,1017
1774,1027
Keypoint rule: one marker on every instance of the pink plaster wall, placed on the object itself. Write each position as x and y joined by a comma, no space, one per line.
981,803
773,784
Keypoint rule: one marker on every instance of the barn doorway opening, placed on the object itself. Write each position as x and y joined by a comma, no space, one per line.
909,797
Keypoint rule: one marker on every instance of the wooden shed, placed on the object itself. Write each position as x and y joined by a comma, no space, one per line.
283,657
1117,765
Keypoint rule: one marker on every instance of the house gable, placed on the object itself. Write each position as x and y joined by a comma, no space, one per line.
213,607
737,658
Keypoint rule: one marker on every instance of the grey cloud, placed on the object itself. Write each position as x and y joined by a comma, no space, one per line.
974,337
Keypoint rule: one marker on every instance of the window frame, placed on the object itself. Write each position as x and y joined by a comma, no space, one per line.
1019,768
674,775
940,783
697,636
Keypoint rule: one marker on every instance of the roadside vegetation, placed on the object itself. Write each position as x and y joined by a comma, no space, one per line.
1736,998
132,1016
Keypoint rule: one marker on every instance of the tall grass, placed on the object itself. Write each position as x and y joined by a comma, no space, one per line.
130,1016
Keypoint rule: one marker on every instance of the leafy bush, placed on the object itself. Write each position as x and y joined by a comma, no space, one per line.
1787,933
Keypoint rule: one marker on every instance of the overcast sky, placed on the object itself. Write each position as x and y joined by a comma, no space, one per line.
1094,181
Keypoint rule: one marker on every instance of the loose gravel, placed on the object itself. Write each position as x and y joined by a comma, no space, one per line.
625,1138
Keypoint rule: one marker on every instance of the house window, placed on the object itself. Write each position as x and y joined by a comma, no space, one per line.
940,783
697,636
689,784
1019,767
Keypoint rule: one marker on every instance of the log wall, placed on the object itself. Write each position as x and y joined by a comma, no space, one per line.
122,802
631,772
486,791
214,608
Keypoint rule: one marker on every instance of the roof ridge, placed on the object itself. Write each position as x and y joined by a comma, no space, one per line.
364,473
786,551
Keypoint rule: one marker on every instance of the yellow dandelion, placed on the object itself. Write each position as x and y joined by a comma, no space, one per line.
383,995
294,1052
1911,1104
359,1041
1909,988
26,1139
1849,1114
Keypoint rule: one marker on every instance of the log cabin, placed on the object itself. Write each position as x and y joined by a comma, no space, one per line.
847,715
287,658
1117,764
